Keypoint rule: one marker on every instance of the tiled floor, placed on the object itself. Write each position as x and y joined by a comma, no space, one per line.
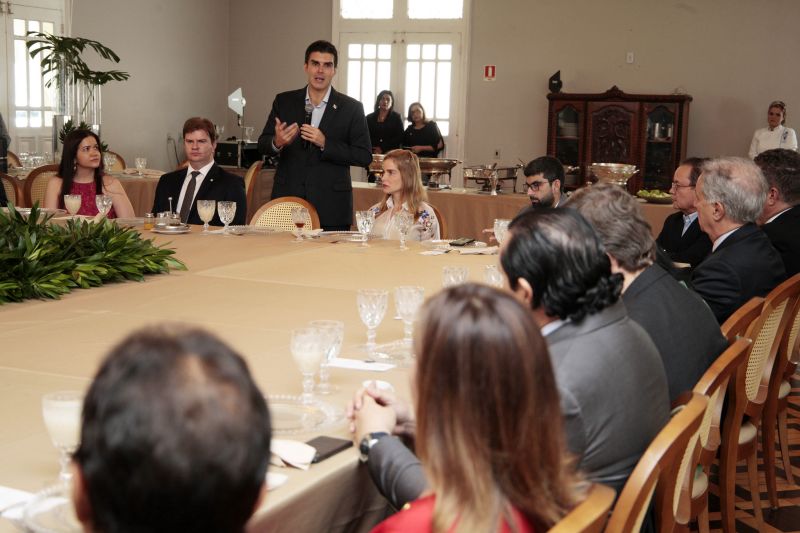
787,517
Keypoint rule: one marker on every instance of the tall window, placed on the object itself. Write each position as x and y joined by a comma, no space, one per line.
415,48
26,103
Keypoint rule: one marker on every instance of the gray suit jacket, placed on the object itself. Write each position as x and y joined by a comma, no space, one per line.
613,392
680,323
613,396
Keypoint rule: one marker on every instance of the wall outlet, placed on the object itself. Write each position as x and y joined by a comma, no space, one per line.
497,153
629,58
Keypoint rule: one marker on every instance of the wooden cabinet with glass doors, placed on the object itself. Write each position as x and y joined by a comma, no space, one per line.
646,130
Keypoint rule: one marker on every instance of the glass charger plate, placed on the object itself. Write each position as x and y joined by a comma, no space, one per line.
444,244
136,221
290,415
25,211
248,230
352,236
51,511
172,230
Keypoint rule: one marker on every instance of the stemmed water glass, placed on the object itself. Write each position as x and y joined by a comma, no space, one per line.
299,217
109,160
141,164
308,349
73,203
205,210
334,331
407,301
501,229
454,275
62,418
371,308
103,203
226,210
403,220
364,221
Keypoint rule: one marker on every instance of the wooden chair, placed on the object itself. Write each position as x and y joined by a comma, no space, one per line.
662,474
590,515
442,222
36,184
119,166
738,322
249,180
778,393
714,385
182,164
748,392
13,159
12,188
277,214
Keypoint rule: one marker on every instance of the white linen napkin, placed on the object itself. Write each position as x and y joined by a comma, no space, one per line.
9,498
275,480
292,453
487,250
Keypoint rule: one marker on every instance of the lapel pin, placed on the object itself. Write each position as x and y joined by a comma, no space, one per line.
334,106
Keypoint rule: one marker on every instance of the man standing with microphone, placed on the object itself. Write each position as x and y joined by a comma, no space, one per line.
333,136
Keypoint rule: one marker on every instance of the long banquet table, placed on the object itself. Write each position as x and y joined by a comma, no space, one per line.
251,291
468,212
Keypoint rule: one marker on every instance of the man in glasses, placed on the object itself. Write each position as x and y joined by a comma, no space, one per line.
544,178
681,236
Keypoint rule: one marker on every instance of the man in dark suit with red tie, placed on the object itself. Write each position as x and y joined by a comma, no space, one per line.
781,215
318,133
202,179
681,236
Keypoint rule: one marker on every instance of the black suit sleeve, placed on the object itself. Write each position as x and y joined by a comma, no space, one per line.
394,136
265,140
354,150
719,286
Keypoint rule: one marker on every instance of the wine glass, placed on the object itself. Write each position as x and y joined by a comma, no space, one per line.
371,308
141,164
109,160
403,220
73,203
308,350
62,418
205,209
454,275
226,210
299,217
103,203
492,276
334,330
501,229
365,220
407,301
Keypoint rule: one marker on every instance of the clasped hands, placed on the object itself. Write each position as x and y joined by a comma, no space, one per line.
372,410
285,134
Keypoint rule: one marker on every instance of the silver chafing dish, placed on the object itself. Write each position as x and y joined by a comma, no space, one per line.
435,167
616,173
376,168
491,177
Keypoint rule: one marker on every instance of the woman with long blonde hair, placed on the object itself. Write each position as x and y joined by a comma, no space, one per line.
403,190
488,422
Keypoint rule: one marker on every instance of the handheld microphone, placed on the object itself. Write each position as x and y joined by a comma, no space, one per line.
307,120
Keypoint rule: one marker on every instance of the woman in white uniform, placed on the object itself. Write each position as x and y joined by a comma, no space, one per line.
775,135
403,189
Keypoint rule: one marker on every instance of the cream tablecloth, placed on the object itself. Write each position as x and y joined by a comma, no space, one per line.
251,291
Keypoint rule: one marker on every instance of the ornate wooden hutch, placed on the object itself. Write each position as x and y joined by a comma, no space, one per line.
646,130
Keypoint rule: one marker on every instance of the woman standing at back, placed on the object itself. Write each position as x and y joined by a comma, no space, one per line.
488,422
81,172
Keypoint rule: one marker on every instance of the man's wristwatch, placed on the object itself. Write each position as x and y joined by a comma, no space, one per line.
369,440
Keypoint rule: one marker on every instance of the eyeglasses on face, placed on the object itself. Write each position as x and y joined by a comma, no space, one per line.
676,185
535,185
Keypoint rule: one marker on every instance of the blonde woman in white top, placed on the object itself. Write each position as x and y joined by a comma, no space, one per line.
775,135
402,185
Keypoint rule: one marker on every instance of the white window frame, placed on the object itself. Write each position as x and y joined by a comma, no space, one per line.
399,25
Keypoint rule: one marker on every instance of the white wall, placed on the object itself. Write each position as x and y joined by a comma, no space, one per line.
176,52
733,56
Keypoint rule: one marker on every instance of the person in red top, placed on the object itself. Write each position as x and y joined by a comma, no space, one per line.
488,423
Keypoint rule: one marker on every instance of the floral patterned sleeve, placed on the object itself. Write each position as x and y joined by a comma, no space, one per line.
427,226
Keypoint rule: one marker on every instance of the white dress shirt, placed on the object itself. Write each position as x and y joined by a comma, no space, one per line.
198,181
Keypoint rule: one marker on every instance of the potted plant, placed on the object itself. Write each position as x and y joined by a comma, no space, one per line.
77,85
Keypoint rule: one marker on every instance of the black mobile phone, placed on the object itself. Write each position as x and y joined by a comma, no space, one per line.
463,241
327,446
